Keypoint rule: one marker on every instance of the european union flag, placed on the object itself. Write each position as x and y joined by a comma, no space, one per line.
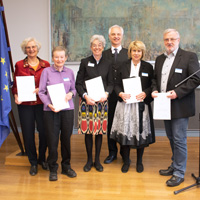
5,103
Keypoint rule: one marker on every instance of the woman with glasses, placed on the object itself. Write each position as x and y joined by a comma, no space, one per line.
93,115
31,112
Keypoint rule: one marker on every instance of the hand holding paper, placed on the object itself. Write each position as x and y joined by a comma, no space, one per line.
95,88
57,95
26,88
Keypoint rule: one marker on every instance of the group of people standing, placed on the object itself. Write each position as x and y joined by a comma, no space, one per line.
130,125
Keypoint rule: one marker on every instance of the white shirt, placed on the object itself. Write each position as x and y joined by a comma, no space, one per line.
166,69
119,48
135,69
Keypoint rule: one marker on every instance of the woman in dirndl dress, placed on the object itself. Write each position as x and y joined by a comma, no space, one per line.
92,116
133,123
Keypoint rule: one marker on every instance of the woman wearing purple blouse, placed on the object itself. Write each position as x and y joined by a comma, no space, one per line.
58,122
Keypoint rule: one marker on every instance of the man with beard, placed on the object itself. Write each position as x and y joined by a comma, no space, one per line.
172,67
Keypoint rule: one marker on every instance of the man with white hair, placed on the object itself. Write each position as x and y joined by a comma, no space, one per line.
172,67
117,55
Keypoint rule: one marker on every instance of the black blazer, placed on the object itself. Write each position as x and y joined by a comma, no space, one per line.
121,57
103,69
185,64
145,73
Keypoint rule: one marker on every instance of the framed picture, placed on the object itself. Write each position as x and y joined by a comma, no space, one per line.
73,22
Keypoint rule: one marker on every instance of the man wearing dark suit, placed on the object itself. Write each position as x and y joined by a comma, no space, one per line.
117,55
171,68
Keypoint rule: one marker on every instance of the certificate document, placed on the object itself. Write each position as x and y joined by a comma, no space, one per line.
57,94
95,88
162,107
133,87
25,88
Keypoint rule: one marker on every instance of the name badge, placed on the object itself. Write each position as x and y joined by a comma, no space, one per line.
177,70
66,79
91,64
145,74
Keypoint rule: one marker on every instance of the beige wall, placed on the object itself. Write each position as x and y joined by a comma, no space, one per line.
27,18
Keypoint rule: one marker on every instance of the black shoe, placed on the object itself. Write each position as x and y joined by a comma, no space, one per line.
69,172
139,168
167,172
53,176
109,159
98,167
87,167
174,181
44,165
33,170
125,168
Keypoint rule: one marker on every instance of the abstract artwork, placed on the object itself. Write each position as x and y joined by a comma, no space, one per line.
73,22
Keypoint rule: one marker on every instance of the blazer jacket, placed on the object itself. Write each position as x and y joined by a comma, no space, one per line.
145,73
87,71
22,68
121,57
185,64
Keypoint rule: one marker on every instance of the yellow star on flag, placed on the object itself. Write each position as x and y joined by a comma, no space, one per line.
6,88
3,60
1,98
6,74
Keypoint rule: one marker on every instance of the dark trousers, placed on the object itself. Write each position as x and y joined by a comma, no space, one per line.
112,145
29,116
59,124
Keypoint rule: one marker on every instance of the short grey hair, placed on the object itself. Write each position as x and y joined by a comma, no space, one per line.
26,41
116,26
100,38
59,48
171,30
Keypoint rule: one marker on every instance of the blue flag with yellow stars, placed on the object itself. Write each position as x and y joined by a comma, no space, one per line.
5,102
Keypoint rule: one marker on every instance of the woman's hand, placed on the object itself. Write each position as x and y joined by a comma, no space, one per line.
68,96
104,98
53,109
16,100
36,91
89,100
124,96
141,96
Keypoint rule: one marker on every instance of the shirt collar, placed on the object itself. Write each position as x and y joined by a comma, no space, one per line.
119,48
171,54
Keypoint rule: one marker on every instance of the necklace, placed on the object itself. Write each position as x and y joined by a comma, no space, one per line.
33,64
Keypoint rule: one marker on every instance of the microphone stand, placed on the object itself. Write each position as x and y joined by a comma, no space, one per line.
196,178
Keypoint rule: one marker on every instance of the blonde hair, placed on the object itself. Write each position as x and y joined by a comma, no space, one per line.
26,41
59,48
136,45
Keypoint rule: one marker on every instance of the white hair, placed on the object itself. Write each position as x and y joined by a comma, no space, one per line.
171,30
116,26
100,38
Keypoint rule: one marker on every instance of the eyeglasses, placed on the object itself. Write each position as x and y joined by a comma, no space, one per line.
33,47
170,39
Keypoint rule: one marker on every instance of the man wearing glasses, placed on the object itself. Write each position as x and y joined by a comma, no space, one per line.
171,68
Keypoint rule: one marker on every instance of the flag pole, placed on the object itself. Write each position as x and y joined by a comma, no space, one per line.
11,116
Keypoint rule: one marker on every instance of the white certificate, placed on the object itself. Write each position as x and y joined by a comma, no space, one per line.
95,88
162,107
57,94
25,88
133,87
